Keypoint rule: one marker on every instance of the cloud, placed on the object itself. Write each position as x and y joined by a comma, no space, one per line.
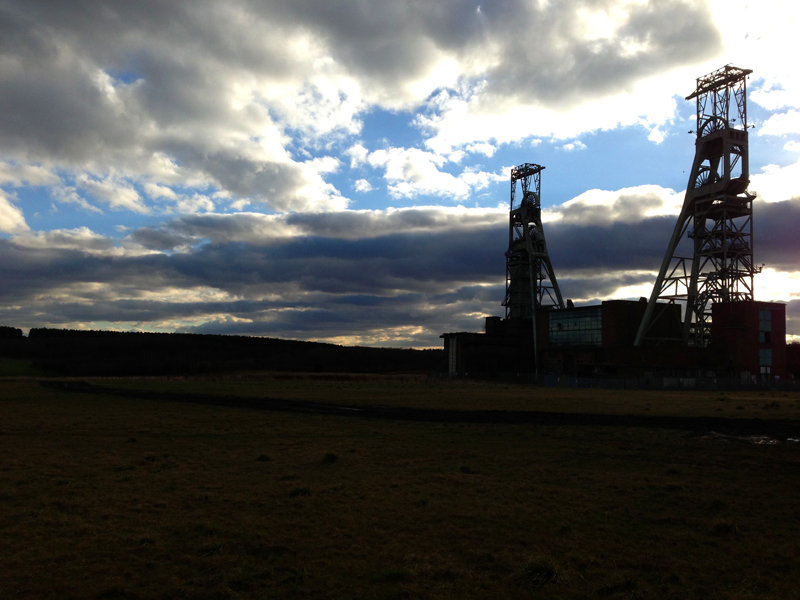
26,174
404,55
461,119
280,183
775,231
222,95
608,248
160,239
194,204
589,70
586,286
358,155
254,228
155,190
301,287
781,124
11,218
482,148
411,172
354,275
170,114
758,37
353,225
773,285
362,186
82,239
576,145
775,184
115,193
69,195
154,92
351,275
605,208
260,229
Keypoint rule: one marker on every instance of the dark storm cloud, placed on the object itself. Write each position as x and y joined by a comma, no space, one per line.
380,265
793,317
159,239
324,289
352,224
317,286
605,237
597,286
306,286
32,273
260,229
342,316
318,315
775,228
615,247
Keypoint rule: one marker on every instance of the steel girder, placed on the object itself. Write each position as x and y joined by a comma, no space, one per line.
717,213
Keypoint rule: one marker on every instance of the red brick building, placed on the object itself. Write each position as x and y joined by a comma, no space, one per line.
749,341
751,337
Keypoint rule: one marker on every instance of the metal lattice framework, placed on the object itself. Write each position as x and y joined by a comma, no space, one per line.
717,213
530,281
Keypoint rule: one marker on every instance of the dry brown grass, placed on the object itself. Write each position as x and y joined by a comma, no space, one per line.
102,497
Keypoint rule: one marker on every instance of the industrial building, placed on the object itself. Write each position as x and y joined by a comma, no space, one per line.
701,320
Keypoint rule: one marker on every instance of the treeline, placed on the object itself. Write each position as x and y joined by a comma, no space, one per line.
97,353
10,333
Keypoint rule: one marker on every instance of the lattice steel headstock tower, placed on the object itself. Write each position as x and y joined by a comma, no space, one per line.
717,213
530,281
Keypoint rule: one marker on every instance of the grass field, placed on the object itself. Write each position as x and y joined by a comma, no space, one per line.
422,392
104,497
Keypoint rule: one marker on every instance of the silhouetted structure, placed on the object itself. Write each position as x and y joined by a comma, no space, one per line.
530,280
10,332
83,353
723,332
531,284
717,214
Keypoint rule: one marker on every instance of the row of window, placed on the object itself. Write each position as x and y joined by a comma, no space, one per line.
581,327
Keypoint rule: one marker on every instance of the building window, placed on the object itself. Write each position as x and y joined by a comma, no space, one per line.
765,357
765,326
576,327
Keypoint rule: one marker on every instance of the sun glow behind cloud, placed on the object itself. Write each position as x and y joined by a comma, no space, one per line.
776,286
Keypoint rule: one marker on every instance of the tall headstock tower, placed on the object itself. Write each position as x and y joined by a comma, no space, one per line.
716,220
530,281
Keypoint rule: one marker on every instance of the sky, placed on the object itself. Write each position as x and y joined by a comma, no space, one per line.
338,170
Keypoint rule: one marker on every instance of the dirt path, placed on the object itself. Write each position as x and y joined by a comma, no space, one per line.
780,429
